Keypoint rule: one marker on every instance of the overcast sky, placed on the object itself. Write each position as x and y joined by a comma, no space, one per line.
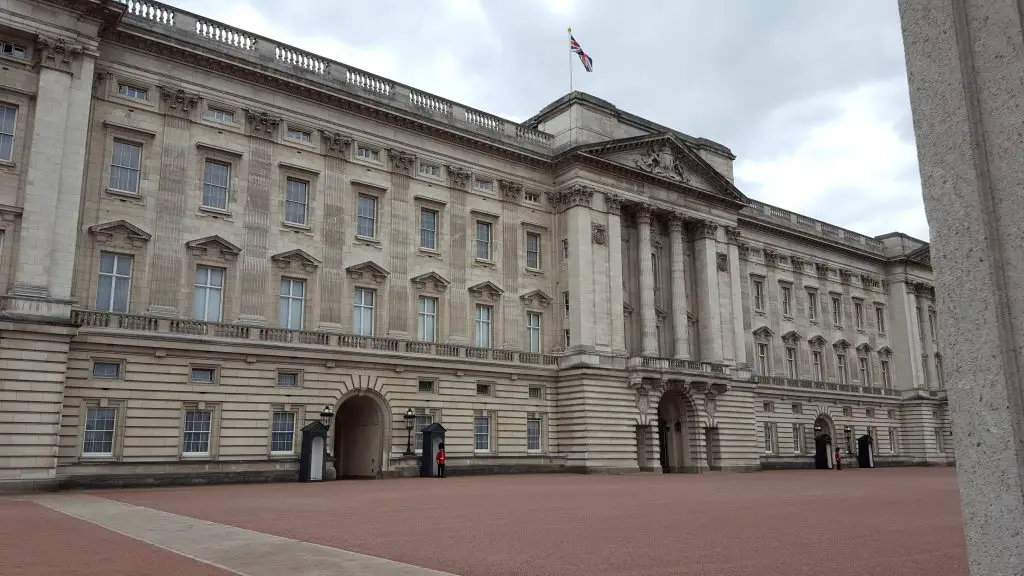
810,95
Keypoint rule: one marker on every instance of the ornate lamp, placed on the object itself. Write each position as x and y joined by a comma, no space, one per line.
410,423
325,416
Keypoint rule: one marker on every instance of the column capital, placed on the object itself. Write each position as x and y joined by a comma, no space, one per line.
511,191
458,176
704,229
401,161
262,124
58,53
575,195
178,101
613,202
733,234
643,213
676,221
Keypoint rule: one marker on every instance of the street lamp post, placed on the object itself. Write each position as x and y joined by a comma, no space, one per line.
410,421
325,416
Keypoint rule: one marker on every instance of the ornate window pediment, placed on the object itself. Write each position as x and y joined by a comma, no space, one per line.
120,230
690,318
536,298
213,246
841,345
660,313
367,271
885,352
486,289
864,349
817,342
792,338
295,258
431,282
763,334
627,309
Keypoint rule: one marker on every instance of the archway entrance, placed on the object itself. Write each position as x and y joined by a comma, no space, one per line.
674,427
824,447
359,437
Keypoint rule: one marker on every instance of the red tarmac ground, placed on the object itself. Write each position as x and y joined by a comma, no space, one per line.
883,522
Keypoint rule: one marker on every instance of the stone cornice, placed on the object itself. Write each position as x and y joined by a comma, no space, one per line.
753,224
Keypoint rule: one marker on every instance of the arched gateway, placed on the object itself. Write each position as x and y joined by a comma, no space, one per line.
824,445
361,434
676,426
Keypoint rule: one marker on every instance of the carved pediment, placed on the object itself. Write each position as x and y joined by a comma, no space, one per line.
841,345
296,258
817,342
213,246
864,349
792,338
536,298
431,281
763,334
368,271
122,229
885,352
486,289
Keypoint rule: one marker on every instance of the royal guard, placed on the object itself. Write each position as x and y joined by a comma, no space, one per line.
839,460
441,458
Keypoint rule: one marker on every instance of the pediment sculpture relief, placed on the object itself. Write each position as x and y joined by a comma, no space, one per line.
662,162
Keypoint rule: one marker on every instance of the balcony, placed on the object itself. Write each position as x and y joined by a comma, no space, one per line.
783,382
668,366
101,322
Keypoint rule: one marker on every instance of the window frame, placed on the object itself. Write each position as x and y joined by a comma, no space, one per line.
274,411
532,330
539,263
199,408
436,214
373,158
308,183
207,161
359,305
488,417
422,316
213,370
858,315
140,146
288,372
13,135
114,281
107,361
812,305
792,370
880,318
207,288
758,296
291,298
478,323
113,431
786,297
770,439
124,90
837,310
373,218
422,164
539,420
489,242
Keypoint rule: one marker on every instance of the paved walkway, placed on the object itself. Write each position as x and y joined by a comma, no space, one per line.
234,550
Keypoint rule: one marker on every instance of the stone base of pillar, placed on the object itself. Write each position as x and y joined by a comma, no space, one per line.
35,307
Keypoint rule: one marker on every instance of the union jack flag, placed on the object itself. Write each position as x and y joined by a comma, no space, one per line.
574,46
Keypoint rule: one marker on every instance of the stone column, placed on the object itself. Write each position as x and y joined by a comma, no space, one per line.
576,202
709,315
648,318
458,297
964,62
334,299
613,204
739,333
920,371
512,325
402,218
680,325
255,264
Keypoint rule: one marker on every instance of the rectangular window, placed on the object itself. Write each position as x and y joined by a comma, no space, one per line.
565,248
938,441
837,310
125,165
220,115
931,324
886,374
798,408
791,370
426,325
787,301
99,432
485,185
798,438
531,197
566,338
363,311
483,389
858,314
115,284
106,370
368,153
293,304
535,393
880,319
296,202
762,359
533,332
892,441
425,387
482,434
432,170
203,375
920,324
533,251
841,368
216,179
812,305
848,433
132,92
758,295
366,216
198,425
533,428
484,315
769,438
428,229
816,366
890,414
12,50
423,419
288,379
282,433
8,123
847,411
938,372
865,371
209,294
300,136
870,413
483,240
768,406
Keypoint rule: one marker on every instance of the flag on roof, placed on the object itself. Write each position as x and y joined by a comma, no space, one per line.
574,46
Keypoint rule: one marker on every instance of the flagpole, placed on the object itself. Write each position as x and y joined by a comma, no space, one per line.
570,62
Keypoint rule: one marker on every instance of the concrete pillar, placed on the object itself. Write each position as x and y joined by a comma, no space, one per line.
648,317
965,64
739,334
709,314
681,336
618,329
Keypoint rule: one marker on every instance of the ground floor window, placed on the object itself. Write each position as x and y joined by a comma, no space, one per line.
482,433
282,433
769,438
99,432
892,441
798,439
198,424
423,419
533,434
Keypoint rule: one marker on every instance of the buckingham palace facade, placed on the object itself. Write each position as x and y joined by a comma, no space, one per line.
207,236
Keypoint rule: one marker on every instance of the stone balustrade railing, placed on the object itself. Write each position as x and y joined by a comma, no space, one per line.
668,365
812,226
784,382
274,55
95,320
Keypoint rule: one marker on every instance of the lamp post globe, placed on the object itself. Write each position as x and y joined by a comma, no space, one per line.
410,422
325,416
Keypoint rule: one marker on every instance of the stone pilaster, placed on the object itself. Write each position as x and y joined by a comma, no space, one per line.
739,334
334,300
648,318
680,326
458,297
171,204
916,337
262,129
401,216
613,204
574,202
511,322
709,316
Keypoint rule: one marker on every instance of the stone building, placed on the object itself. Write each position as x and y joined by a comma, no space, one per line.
206,236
